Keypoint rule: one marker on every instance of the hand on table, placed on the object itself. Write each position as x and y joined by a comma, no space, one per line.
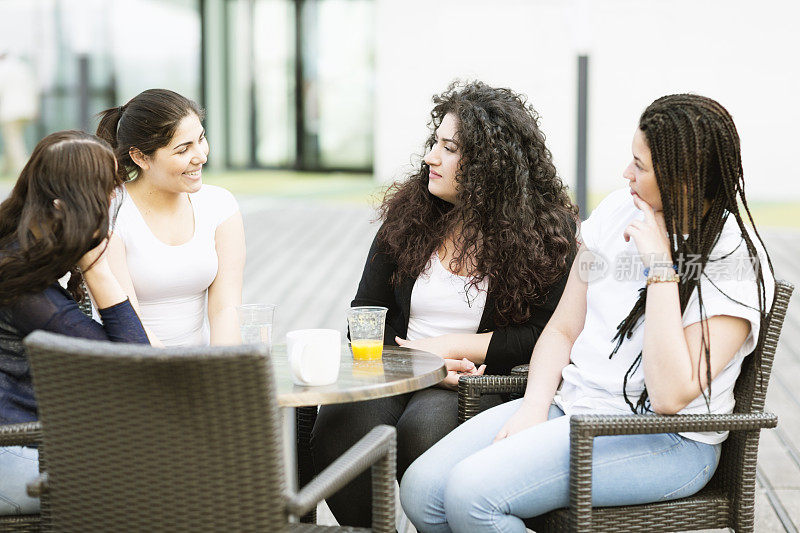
442,346
650,236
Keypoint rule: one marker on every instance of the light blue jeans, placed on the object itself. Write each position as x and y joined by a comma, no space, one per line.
18,466
465,483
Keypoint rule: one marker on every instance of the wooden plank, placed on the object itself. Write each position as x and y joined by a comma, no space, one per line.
767,519
307,259
780,403
776,463
791,502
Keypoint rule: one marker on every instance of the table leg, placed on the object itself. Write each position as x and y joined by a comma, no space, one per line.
306,416
297,424
290,448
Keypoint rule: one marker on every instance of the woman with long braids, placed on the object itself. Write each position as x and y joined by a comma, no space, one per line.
683,300
55,221
471,260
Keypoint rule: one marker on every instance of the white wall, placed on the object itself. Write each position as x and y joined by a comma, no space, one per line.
744,53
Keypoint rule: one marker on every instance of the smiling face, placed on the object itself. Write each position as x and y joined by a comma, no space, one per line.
177,167
640,173
443,159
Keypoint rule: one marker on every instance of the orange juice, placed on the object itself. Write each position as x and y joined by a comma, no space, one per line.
367,349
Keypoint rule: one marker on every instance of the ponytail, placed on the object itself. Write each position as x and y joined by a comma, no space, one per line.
109,122
147,122
107,130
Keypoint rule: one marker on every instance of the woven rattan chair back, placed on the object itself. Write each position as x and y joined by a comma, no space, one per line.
141,439
740,449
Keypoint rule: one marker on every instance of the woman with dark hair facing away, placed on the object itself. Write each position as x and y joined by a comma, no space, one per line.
665,330
470,260
178,245
55,222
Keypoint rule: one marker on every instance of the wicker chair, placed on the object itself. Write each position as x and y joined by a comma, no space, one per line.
727,501
140,439
20,435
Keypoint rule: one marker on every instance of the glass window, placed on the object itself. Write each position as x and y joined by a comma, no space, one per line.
342,114
274,78
115,49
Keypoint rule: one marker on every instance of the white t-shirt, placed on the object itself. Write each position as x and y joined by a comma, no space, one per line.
593,383
171,282
442,303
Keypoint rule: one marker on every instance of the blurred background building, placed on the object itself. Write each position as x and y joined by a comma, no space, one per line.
325,85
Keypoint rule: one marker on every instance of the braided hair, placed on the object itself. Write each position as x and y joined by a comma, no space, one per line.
697,162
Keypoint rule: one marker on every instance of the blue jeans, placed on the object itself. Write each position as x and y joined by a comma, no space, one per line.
18,466
467,484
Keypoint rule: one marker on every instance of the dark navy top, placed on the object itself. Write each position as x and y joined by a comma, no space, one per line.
54,310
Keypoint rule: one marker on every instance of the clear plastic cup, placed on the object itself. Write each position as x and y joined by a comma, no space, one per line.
255,323
366,331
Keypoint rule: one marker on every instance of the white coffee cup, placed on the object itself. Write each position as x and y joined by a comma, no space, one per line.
314,355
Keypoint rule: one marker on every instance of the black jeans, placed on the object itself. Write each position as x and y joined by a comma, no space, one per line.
422,418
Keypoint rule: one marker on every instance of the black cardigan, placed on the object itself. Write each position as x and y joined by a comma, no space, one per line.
510,345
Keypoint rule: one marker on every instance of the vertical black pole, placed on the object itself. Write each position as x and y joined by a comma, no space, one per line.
83,91
583,104
299,90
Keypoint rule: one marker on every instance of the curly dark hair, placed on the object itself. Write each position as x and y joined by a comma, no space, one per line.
514,220
697,161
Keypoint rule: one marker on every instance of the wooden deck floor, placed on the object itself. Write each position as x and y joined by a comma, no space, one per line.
307,258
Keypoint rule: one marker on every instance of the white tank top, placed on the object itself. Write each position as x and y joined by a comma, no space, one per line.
441,303
171,282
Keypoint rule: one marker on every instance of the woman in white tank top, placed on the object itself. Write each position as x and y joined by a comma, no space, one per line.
178,245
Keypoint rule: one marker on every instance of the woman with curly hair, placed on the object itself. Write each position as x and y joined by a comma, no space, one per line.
656,338
471,260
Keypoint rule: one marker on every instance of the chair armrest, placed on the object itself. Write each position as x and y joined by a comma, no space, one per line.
24,434
374,446
596,425
520,370
471,388
584,428
492,384
38,486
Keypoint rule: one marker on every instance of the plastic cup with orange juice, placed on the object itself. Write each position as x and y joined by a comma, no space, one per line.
366,331
367,349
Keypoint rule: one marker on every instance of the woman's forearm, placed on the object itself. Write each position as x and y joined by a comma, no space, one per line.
104,287
224,326
665,354
550,356
473,346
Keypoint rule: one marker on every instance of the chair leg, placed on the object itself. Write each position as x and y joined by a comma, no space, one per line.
306,416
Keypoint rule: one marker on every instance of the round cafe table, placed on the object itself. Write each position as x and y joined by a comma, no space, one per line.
400,370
